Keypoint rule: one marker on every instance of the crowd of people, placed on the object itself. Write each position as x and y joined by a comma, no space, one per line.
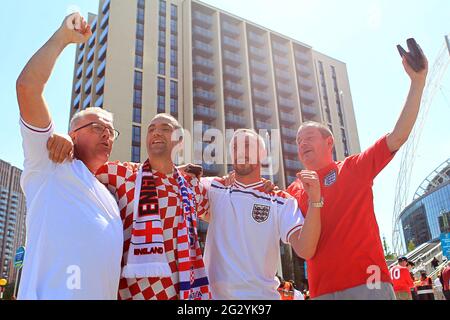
109,230
408,286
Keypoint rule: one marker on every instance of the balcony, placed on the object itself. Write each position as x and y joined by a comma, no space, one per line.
231,43
211,169
281,48
309,111
77,87
88,87
80,57
203,63
290,148
99,88
303,70
233,73
307,97
76,101
105,21
202,33
258,54
235,120
259,81
256,38
101,69
204,96
87,102
262,111
302,57
89,70
203,49
262,125
105,7
258,67
204,79
104,36
230,29
279,61
288,133
284,89
204,113
232,58
79,72
261,96
90,56
102,52
287,118
99,102
202,19
282,76
91,40
234,104
286,103
234,87
292,165
305,84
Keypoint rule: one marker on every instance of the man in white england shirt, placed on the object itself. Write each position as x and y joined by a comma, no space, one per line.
246,224
74,230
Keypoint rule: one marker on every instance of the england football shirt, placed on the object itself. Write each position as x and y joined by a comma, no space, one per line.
242,249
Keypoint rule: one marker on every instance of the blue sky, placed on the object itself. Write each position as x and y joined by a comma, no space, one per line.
363,34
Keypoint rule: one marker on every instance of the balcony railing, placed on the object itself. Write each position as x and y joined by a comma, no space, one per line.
261,125
203,48
256,38
260,95
287,118
290,148
234,73
106,6
202,33
205,113
99,88
258,67
234,87
279,47
204,95
307,97
204,79
203,63
263,111
233,58
202,19
231,43
230,29
234,104
235,119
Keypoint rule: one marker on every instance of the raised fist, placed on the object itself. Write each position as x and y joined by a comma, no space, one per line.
75,29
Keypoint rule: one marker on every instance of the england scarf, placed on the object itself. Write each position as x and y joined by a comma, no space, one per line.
147,257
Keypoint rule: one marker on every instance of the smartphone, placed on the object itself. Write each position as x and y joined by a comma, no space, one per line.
415,56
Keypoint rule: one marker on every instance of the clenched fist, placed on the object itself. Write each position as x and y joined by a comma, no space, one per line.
311,184
74,29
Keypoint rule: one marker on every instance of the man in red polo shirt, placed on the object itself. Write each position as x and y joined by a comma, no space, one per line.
349,261
401,278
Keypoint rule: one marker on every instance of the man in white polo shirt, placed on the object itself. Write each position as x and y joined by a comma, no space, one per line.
246,224
74,229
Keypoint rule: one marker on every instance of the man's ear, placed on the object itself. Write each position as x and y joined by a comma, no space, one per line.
73,136
330,142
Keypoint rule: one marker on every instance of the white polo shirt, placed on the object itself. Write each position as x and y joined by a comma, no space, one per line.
74,230
243,240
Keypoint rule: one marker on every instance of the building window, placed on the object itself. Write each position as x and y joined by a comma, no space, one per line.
174,107
174,12
162,54
161,86
174,89
137,114
162,7
136,136
161,104
139,62
174,71
173,57
138,80
161,68
135,154
140,47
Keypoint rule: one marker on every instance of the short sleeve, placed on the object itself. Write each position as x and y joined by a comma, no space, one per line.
201,197
369,163
36,158
290,219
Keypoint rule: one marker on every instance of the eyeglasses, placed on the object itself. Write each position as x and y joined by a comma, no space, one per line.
99,129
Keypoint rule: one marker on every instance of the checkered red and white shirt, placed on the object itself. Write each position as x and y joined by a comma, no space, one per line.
120,181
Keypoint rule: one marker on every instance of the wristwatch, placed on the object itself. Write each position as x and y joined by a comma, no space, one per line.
317,204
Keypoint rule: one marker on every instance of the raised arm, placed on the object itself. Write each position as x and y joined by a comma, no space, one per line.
411,108
31,82
304,242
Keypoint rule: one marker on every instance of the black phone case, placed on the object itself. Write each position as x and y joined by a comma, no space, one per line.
415,56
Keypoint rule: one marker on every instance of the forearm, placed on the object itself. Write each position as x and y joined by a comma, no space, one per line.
32,80
407,117
304,242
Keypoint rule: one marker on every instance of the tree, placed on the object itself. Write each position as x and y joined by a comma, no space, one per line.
388,255
411,246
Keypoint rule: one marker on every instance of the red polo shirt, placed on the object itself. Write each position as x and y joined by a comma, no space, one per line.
350,241
401,278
